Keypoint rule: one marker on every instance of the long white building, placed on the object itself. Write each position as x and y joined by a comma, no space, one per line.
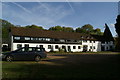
58,40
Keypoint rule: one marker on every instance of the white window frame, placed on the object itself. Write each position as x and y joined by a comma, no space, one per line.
17,38
27,38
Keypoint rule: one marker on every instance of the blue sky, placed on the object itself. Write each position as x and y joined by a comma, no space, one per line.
69,14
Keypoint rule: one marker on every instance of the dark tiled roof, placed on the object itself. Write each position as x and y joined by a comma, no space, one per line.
33,32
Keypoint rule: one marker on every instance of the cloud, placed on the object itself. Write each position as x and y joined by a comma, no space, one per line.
28,11
70,6
40,14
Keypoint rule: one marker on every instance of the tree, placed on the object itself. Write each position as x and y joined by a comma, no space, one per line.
67,29
80,30
5,28
117,25
87,28
59,28
56,28
97,32
34,26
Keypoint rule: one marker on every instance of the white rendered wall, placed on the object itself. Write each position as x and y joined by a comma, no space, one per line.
97,45
46,46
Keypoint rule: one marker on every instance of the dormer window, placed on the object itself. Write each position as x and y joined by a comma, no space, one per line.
40,38
91,37
82,37
47,39
32,39
27,38
87,37
17,38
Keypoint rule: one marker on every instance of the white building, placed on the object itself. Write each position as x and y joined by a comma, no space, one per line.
58,40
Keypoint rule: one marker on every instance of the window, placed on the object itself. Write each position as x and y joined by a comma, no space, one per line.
62,40
84,40
44,39
32,39
68,40
111,42
26,45
107,48
36,38
79,47
40,39
41,46
91,37
90,47
94,41
27,38
56,46
106,42
49,46
19,45
30,49
90,41
111,47
63,47
87,37
40,49
47,39
82,37
93,47
74,47
17,38
21,50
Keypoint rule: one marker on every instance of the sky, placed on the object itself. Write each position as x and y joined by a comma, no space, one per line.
69,14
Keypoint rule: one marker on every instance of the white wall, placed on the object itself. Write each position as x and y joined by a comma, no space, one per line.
46,46
97,46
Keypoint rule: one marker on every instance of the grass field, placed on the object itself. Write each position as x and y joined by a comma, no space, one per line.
65,66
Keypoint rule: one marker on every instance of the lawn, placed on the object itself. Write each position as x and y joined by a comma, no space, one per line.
65,66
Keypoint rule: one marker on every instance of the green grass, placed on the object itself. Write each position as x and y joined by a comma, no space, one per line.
82,67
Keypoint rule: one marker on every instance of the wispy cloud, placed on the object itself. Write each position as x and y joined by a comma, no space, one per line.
70,5
44,14
28,11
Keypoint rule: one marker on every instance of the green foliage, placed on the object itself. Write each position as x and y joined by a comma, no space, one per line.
56,28
88,29
5,28
34,26
59,28
68,29
97,32
84,29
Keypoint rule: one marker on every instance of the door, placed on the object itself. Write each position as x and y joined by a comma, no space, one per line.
69,49
85,47
102,48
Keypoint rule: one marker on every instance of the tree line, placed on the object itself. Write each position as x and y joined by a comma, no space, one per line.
87,28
